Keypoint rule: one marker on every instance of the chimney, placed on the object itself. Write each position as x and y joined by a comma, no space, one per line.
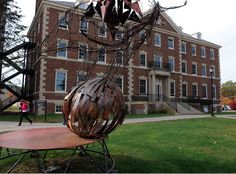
181,28
199,35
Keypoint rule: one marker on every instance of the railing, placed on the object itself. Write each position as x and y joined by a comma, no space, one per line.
160,66
7,102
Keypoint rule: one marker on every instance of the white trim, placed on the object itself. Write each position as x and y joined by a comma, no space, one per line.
203,49
185,83
212,51
143,78
61,15
101,25
145,54
206,91
87,30
195,47
186,67
173,41
55,82
185,47
195,84
101,62
174,82
204,65
55,111
86,45
159,35
194,63
66,48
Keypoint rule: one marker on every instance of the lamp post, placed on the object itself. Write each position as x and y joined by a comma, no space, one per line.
212,109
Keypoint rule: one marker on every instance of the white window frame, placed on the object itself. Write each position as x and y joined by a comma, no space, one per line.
195,84
159,36
185,83
66,49
214,71
102,26
173,43
145,86
214,91
172,58
57,112
212,54
61,16
185,62
154,60
204,65
103,62
80,73
122,83
203,52
145,54
205,85
195,48
194,63
86,45
87,29
60,71
183,45
122,56
140,36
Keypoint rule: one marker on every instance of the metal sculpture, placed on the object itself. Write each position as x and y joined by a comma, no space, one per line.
94,108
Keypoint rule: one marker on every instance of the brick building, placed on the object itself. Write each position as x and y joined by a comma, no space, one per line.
170,66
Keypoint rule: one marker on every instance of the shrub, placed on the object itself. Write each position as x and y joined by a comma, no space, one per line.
233,105
161,109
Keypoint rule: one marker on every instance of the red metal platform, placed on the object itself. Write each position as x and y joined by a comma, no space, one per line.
43,138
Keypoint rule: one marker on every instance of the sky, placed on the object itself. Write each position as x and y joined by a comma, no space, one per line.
215,19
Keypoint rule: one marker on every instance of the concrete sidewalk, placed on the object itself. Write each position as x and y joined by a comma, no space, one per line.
11,126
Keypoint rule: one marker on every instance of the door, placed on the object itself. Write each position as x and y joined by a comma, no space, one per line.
158,92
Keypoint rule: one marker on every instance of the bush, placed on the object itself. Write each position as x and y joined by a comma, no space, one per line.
161,109
233,105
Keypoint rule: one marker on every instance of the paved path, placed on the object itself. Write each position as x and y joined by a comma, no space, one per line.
10,126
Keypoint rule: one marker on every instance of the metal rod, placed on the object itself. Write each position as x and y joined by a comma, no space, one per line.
16,163
71,157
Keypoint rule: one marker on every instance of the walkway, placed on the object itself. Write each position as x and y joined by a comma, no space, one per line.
10,126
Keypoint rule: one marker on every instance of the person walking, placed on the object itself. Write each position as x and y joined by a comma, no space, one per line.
24,111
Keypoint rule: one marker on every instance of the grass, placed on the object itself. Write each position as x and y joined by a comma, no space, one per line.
182,146
227,113
56,118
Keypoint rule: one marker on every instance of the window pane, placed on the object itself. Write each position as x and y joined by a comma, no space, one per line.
142,59
62,47
183,67
83,25
101,56
82,52
60,81
158,40
142,86
119,83
171,64
194,90
204,92
170,43
119,57
62,21
157,61
184,90
193,50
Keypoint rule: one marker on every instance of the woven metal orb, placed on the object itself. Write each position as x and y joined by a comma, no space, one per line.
94,108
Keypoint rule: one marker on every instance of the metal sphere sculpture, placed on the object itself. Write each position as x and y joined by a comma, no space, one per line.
94,108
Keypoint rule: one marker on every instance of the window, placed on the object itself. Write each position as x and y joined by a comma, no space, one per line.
171,64
214,71
101,55
102,31
142,87
203,70
184,67
119,82
194,90
184,90
170,42
193,50
83,51
62,49
81,77
142,59
214,91
119,57
157,40
157,61
63,21
204,91
203,52
58,109
119,35
60,81
212,54
172,89
194,69
84,26
142,36
183,47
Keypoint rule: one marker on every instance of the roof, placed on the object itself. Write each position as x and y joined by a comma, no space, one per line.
68,4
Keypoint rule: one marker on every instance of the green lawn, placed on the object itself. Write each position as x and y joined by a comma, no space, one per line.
182,146
54,118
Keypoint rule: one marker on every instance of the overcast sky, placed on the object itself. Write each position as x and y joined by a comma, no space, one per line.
215,19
